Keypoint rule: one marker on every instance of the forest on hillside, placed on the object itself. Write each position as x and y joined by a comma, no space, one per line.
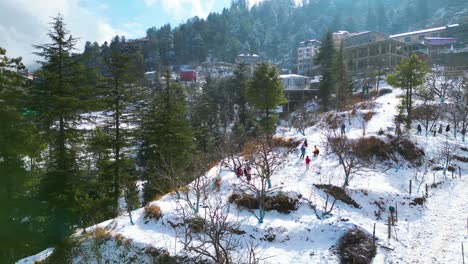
273,29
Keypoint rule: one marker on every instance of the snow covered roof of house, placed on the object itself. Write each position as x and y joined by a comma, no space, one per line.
310,41
439,41
284,76
248,55
422,31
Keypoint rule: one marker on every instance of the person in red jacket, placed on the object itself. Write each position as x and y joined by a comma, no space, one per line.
307,160
239,172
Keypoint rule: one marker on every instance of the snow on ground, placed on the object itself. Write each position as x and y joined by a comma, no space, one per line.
431,233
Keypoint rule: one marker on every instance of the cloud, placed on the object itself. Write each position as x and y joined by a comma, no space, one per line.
179,8
24,23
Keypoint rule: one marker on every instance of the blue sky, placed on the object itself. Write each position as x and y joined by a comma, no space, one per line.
25,22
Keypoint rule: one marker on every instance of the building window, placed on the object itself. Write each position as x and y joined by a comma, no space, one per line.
407,39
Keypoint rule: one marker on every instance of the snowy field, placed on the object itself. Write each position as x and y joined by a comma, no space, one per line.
431,233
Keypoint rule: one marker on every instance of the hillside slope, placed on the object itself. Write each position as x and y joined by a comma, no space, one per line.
428,233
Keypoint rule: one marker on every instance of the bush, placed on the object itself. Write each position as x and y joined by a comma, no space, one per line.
338,193
356,247
460,158
285,143
101,234
244,201
153,212
418,201
408,150
368,147
197,224
282,203
368,116
384,91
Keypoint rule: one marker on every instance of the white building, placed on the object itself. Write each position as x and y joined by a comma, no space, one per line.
295,82
305,56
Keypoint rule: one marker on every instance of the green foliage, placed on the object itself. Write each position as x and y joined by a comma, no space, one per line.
167,140
408,75
265,94
326,59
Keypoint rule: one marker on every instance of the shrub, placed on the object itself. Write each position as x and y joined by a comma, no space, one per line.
356,247
418,201
217,184
197,224
368,116
244,201
369,147
460,158
153,212
408,150
338,193
385,91
285,143
282,203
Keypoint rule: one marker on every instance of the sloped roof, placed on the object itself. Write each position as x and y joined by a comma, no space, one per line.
423,31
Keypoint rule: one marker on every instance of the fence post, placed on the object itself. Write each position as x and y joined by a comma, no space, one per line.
410,184
396,211
427,191
389,228
373,236
463,254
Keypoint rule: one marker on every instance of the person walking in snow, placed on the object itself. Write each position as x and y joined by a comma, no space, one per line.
307,161
239,171
343,129
440,129
248,173
419,130
463,131
305,143
316,151
303,150
447,129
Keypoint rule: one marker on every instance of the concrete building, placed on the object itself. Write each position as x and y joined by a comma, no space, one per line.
250,60
373,50
419,35
298,89
339,36
305,57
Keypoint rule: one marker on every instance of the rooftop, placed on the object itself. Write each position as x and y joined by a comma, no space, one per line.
423,31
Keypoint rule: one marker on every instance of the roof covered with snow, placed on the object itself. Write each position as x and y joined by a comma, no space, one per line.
423,31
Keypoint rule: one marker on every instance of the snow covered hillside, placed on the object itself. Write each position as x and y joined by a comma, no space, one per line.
427,233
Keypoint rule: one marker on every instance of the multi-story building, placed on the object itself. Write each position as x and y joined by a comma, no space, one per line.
419,35
370,51
339,36
250,60
305,57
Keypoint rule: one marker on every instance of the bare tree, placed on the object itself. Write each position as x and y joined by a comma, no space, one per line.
217,240
439,82
327,207
458,107
344,148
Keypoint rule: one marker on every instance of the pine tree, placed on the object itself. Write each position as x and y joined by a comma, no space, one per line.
265,94
167,140
121,91
325,58
408,75
58,100
343,89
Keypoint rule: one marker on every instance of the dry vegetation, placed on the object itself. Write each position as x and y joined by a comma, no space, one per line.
153,212
356,247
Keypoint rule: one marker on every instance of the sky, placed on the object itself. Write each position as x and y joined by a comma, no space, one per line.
26,22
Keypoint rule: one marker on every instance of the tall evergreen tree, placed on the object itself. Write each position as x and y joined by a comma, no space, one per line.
58,100
408,75
265,94
325,58
343,83
167,140
121,90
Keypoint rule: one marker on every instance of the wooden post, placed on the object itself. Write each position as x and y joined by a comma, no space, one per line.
389,227
459,171
410,183
463,254
427,191
396,211
373,236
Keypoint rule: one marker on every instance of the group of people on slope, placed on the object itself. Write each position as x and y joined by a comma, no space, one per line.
303,152
434,130
247,171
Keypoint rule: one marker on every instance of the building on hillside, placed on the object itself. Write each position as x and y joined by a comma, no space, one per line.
250,60
298,89
419,35
371,50
339,36
306,53
435,45
188,75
